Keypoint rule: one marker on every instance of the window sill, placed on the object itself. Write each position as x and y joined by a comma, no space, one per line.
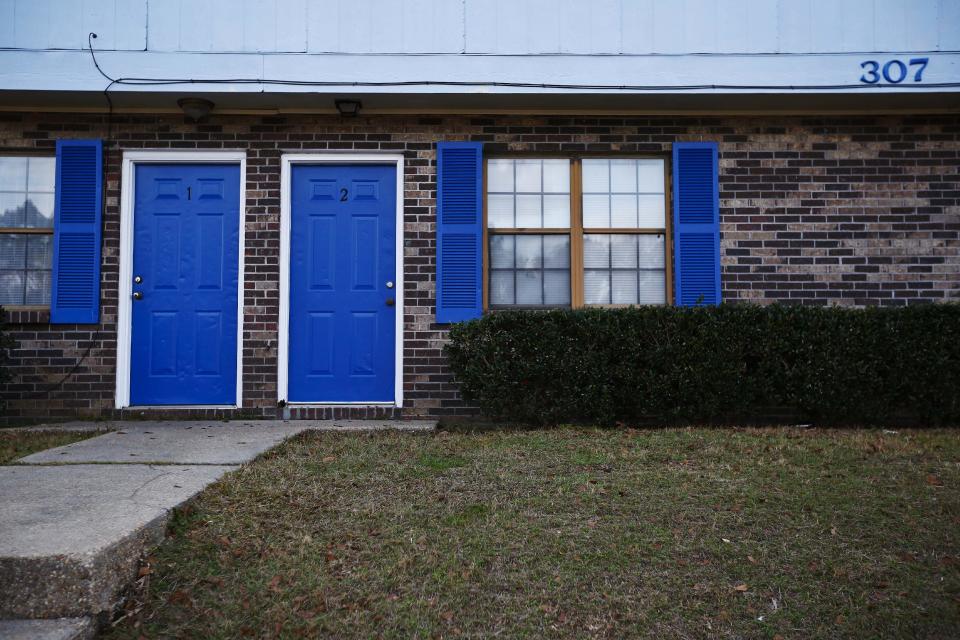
27,315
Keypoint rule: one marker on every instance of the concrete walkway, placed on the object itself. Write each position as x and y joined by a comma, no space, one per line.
75,520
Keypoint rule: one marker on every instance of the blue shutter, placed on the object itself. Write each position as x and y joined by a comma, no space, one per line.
696,224
76,233
459,231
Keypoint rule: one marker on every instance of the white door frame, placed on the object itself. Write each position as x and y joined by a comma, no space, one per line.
128,191
287,161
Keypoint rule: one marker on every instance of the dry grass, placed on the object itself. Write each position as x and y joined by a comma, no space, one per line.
16,443
570,533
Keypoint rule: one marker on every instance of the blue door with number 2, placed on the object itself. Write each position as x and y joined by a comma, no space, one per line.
185,266
342,284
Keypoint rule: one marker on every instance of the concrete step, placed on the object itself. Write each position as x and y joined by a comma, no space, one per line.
56,629
75,520
199,441
71,536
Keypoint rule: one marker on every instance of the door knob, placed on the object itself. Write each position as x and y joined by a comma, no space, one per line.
390,302
137,279
389,284
137,295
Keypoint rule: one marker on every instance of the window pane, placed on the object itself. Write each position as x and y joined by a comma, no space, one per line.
556,287
529,270
651,251
501,252
13,173
39,252
596,251
556,211
529,252
556,176
500,176
650,172
42,174
529,287
39,210
596,210
623,252
624,268
529,179
556,252
651,213
499,211
653,288
623,211
596,176
636,197
13,251
623,176
624,287
501,287
528,212
12,209
596,287
38,287
11,287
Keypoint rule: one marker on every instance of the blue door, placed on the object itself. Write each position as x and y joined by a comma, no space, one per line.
185,254
342,283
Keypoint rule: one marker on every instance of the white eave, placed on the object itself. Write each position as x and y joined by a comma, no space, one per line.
470,82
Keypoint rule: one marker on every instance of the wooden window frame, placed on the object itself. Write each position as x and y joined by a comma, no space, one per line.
576,231
27,153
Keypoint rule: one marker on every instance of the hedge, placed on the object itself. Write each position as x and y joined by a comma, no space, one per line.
730,363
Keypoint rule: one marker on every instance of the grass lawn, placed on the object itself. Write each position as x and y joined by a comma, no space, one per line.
16,443
570,533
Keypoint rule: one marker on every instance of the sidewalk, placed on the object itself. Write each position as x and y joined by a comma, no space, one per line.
75,520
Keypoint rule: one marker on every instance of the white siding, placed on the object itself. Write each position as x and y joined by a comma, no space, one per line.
384,26
514,27
949,26
64,24
592,47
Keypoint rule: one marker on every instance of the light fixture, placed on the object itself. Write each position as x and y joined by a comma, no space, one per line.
195,108
348,108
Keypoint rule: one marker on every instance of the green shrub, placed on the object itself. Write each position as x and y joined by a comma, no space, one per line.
716,364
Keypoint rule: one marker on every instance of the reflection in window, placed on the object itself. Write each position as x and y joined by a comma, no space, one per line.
528,215
26,227
623,269
555,240
530,270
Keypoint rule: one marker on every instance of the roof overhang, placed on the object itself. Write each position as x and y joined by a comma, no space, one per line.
434,83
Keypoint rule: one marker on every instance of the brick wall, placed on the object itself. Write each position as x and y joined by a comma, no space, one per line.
818,210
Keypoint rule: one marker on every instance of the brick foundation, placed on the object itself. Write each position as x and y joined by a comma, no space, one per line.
814,210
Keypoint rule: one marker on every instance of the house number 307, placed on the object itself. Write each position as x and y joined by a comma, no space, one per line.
893,71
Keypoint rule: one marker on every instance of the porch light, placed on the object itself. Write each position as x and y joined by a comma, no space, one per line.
348,108
195,108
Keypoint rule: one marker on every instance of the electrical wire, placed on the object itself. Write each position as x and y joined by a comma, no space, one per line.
135,81
520,85
95,338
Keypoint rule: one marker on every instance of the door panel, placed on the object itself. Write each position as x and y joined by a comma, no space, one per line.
185,250
342,255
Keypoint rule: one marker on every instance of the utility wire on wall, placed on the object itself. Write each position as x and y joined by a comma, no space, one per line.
95,338
148,82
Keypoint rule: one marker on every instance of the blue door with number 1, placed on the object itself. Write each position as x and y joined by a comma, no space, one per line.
185,266
342,284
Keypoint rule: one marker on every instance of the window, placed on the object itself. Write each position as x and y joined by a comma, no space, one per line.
528,213
26,229
576,232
